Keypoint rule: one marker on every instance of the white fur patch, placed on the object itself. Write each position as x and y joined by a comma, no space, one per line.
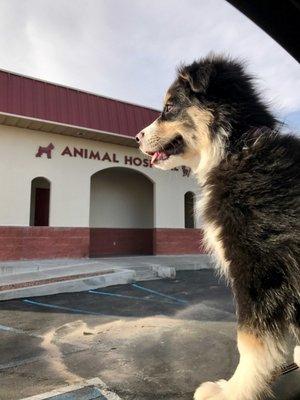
259,358
209,390
214,244
255,369
297,356
211,153
212,232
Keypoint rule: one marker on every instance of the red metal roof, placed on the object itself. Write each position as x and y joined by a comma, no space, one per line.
33,98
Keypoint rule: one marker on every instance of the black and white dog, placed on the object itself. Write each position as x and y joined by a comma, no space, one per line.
214,122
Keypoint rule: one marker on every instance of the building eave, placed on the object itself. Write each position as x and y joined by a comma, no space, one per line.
64,129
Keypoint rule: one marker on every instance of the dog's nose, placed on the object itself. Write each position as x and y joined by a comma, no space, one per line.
139,136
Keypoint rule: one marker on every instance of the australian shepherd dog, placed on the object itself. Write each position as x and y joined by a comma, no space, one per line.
215,122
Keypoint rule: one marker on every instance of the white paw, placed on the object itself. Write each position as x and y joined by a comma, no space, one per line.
297,356
210,391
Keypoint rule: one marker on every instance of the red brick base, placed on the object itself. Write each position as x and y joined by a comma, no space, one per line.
178,241
115,241
17,243
25,243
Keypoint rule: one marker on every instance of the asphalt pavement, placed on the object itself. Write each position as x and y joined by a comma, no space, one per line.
150,340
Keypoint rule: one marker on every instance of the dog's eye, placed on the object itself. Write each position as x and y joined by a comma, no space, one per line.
168,107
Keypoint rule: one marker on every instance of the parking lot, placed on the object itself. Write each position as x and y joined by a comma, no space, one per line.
151,340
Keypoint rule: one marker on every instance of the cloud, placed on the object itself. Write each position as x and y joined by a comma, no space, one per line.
129,49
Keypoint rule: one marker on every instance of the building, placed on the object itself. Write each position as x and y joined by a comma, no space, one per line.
73,183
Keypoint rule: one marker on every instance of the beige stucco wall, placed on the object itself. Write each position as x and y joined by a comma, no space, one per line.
70,179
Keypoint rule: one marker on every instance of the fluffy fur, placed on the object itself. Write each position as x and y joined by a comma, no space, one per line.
215,122
297,356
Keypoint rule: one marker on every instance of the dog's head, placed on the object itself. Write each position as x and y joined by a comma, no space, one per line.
209,100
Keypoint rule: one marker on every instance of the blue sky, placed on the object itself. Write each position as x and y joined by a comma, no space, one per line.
129,49
293,120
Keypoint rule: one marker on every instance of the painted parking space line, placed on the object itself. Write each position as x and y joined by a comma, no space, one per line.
129,297
135,285
54,306
5,328
91,389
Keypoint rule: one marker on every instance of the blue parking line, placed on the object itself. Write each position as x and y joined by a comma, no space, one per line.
53,306
18,331
128,297
159,294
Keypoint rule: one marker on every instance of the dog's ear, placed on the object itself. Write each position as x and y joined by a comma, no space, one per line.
197,75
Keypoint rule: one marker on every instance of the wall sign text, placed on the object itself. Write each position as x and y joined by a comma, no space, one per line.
74,152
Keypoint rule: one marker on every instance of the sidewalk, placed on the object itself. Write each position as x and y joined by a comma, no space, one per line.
44,277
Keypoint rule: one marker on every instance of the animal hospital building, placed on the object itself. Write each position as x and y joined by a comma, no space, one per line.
74,184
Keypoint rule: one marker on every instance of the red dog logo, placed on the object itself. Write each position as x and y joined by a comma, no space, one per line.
45,150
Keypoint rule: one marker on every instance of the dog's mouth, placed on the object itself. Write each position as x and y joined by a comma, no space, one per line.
175,147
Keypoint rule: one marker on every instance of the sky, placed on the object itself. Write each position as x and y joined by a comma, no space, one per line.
129,49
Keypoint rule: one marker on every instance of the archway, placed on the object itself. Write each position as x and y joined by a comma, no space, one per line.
121,212
40,202
189,210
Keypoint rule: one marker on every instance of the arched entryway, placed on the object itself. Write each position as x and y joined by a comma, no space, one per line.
121,212
40,202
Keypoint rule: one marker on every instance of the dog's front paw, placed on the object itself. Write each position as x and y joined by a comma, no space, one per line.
210,391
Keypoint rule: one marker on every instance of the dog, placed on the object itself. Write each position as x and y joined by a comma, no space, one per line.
215,122
45,150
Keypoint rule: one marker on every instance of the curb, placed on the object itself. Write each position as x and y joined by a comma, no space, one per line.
206,262
118,277
164,272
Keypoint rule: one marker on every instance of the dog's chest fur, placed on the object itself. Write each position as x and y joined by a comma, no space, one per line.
212,231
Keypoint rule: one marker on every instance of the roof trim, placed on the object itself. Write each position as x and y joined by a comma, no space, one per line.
76,89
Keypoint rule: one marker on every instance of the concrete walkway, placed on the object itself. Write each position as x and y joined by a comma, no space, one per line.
43,277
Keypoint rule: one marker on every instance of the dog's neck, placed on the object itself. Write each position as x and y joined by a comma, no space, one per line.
224,143
211,156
